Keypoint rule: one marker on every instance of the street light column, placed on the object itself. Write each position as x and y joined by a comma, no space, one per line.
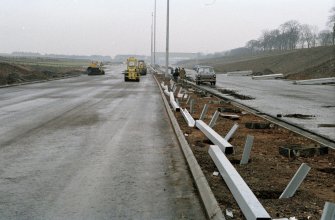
155,34
167,40
152,33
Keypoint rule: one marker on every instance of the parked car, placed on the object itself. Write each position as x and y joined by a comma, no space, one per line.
205,74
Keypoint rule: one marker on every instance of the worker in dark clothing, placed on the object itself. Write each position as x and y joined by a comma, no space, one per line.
175,75
182,74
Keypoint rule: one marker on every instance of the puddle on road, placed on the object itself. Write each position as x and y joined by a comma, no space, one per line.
326,125
299,116
235,94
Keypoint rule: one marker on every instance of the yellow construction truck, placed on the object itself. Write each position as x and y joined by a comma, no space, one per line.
142,67
95,68
132,73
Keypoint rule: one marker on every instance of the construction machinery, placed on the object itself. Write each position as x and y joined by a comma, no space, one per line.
142,67
95,68
132,73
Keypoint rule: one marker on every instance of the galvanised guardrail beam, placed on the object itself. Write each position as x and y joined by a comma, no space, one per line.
315,81
188,117
252,209
173,102
214,137
270,76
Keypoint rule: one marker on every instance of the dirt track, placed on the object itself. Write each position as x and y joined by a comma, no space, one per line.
268,172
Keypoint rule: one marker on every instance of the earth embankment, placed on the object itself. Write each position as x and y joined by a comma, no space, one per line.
318,62
17,71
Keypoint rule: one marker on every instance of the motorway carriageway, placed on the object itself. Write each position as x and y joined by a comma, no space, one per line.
91,147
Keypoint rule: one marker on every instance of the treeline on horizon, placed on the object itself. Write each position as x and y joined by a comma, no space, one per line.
61,56
290,35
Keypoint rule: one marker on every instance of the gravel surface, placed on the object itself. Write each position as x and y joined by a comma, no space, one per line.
268,172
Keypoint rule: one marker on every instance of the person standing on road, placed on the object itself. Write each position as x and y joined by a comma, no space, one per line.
176,74
182,75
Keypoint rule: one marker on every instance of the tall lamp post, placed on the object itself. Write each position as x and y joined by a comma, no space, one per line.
167,40
152,46
155,9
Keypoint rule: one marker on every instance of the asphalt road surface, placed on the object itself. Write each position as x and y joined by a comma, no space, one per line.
283,97
91,147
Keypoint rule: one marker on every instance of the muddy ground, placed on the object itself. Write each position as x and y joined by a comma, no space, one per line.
13,73
268,172
324,70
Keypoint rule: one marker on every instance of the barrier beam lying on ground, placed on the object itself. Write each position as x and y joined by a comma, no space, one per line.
173,103
188,117
252,209
214,137
166,92
271,76
165,87
315,81
175,106
240,73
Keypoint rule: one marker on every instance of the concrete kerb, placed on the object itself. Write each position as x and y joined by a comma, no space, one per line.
211,206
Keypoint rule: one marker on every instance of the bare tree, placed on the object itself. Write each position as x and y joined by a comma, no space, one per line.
253,45
325,38
307,35
331,19
266,38
276,39
315,31
261,44
331,22
291,33
273,39
268,41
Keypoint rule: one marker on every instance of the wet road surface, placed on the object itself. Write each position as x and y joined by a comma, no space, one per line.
282,97
91,147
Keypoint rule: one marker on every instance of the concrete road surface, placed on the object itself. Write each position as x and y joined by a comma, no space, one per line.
282,97
91,147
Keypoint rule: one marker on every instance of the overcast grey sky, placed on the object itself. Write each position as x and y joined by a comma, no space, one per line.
110,27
